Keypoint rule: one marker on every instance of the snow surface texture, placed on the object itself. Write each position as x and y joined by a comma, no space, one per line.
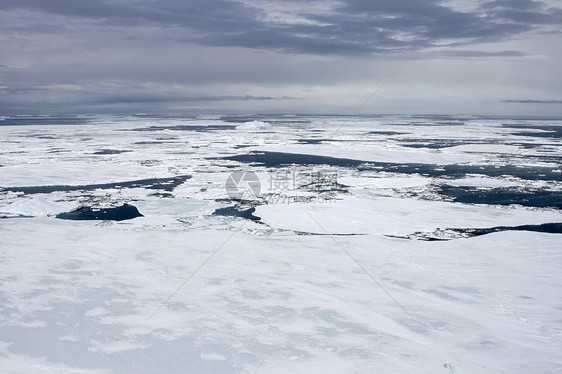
326,282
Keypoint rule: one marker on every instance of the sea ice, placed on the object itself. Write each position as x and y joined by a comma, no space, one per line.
181,290
36,207
254,125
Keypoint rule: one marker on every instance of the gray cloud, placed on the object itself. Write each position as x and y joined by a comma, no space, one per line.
480,54
351,27
72,55
170,99
528,101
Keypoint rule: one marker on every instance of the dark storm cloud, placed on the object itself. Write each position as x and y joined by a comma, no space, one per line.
350,27
427,23
218,16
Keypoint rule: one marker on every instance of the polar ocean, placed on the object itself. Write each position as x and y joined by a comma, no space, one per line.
280,244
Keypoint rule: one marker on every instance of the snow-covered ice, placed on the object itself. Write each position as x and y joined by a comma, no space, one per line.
37,206
394,216
329,280
254,125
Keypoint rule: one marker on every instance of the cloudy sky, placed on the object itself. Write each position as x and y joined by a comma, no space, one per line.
255,56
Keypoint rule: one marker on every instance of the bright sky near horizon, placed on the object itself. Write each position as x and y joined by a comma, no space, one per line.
499,57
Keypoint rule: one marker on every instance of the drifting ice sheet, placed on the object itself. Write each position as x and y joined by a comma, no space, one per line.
393,216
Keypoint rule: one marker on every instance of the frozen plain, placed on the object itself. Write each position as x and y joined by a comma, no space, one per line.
376,275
